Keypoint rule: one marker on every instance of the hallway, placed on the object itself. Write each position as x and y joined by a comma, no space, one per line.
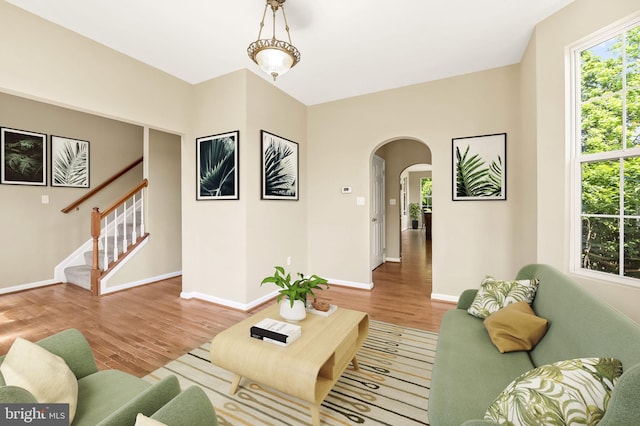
401,293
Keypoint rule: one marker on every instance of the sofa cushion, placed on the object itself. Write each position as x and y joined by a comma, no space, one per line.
468,372
45,375
192,407
566,392
494,295
515,328
104,392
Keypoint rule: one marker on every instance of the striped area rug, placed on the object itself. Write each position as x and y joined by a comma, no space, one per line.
391,387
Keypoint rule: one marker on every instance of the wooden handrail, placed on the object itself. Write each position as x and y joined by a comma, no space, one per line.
96,220
100,187
125,197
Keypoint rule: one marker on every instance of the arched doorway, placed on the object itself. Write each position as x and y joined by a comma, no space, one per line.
397,156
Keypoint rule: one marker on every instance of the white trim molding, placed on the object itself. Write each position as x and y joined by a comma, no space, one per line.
363,286
444,297
28,286
229,303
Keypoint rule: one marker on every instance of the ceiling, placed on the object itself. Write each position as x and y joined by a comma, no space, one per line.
348,47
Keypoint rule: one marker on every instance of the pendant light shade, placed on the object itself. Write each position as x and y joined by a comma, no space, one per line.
273,56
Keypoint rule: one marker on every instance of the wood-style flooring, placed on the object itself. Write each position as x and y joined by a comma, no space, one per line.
141,329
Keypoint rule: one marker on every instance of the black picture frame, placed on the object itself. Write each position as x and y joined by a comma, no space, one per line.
218,166
479,170
280,168
69,162
23,157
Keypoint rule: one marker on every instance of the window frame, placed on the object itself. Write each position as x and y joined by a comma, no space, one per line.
577,158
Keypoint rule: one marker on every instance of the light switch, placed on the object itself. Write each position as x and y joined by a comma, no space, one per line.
359,201
392,201
45,199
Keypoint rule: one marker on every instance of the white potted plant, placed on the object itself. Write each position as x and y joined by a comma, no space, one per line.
296,291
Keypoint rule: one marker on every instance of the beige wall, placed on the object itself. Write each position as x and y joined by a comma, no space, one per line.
50,63
229,246
214,233
573,23
59,67
36,237
343,134
161,256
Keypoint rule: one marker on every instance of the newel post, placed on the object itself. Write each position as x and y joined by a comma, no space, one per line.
95,235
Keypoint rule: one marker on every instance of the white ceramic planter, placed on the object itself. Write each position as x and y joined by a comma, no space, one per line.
295,314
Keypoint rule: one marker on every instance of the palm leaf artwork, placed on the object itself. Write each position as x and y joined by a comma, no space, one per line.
474,178
495,177
280,169
218,167
71,164
471,175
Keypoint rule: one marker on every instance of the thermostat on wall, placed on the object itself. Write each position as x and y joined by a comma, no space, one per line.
346,190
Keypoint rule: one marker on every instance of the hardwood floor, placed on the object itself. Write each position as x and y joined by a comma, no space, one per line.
141,329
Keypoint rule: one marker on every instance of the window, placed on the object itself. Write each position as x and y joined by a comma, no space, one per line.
606,160
426,190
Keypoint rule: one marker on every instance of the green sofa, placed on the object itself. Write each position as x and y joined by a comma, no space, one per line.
114,398
469,372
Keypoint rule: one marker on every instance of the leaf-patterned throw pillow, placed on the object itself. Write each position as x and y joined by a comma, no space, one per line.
494,295
573,392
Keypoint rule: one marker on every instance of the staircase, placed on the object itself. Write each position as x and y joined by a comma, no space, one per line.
116,233
80,275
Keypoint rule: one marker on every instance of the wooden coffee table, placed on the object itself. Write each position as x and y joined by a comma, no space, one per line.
307,368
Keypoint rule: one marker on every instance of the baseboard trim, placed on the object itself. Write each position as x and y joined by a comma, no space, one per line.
444,297
362,286
28,286
141,282
393,259
226,302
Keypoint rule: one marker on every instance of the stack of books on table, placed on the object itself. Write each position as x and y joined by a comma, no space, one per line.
274,331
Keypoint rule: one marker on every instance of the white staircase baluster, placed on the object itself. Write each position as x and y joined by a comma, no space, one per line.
115,234
105,244
124,228
134,234
142,212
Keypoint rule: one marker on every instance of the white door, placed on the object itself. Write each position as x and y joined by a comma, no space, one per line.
377,212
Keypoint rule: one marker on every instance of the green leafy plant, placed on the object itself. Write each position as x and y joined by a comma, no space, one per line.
474,178
295,290
414,211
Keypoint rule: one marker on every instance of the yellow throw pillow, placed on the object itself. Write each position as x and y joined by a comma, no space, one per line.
45,375
515,328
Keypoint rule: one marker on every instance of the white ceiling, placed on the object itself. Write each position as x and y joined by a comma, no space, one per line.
348,47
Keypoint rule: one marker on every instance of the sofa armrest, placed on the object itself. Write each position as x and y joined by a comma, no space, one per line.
72,346
466,298
623,408
191,408
147,402
16,395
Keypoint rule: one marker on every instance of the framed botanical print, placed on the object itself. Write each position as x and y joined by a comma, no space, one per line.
218,166
279,168
480,167
69,162
23,156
